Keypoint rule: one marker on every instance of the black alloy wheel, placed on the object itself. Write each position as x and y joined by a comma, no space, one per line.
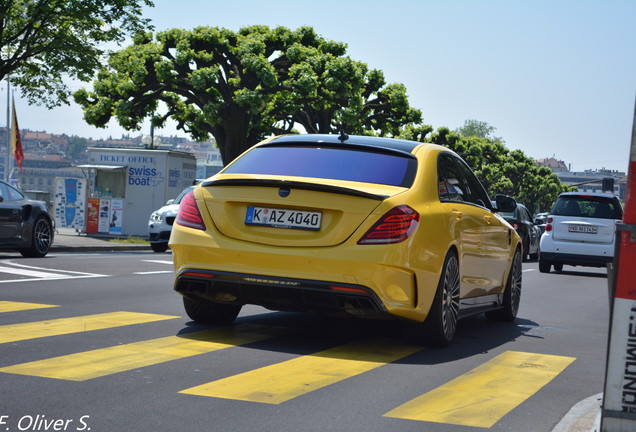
512,293
441,324
41,239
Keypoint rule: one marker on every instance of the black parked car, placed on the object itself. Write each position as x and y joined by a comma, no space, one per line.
25,225
530,233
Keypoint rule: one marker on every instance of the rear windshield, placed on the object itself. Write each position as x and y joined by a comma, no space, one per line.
328,163
588,206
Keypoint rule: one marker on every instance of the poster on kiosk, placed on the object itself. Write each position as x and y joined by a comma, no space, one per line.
70,202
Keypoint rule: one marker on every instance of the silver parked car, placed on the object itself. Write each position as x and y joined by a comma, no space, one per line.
160,223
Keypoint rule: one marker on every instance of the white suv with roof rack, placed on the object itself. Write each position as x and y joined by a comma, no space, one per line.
580,231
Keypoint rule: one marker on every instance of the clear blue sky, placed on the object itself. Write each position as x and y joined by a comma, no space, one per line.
556,78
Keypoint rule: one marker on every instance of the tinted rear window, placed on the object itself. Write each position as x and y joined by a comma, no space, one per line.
328,163
588,206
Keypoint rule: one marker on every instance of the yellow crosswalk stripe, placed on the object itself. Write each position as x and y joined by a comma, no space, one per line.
484,395
283,381
101,362
10,306
62,326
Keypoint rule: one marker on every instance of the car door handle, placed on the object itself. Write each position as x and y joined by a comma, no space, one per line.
457,214
488,219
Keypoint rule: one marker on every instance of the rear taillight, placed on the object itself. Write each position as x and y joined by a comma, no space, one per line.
189,214
395,226
515,226
548,225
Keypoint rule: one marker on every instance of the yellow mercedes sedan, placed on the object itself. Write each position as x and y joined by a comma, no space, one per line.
365,226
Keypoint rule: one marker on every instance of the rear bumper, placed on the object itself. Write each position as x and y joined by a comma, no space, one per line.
576,252
278,293
575,259
159,237
404,291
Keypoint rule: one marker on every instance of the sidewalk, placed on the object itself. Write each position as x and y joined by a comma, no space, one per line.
67,240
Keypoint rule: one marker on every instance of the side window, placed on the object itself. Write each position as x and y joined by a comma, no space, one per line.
458,183
13,195
451,187
529,216
477,194
3,192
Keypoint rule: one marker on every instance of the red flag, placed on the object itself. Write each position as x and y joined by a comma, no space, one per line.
16,141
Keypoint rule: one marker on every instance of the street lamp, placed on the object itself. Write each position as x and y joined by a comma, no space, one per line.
151,142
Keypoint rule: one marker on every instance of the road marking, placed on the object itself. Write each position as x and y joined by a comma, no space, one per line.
39,273
159,261
10,306
33,273
284,381
484,395
154,272
62,326
528,270
101,362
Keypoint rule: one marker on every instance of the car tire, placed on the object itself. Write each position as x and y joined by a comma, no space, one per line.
526,249
41,238
439,327
512,293
159,247
544,265
558,268
535,256
207,312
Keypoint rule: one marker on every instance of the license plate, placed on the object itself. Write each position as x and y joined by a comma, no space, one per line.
283,218
586,229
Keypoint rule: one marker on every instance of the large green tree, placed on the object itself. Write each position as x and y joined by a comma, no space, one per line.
242,86
503,171
45,42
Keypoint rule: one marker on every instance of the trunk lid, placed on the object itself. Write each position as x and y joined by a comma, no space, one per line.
302,212
582,229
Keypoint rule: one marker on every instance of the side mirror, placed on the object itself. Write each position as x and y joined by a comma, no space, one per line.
505,203
170,201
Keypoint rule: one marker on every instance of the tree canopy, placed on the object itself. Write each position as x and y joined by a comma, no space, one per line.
44,42
242,86
479,129
504,171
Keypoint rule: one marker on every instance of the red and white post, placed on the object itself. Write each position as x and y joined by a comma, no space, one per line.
619,402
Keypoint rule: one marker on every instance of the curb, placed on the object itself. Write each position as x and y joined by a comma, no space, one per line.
585,416
99,248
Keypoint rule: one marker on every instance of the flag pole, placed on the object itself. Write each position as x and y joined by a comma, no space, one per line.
7,156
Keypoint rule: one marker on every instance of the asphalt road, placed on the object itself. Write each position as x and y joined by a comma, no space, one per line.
100,342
